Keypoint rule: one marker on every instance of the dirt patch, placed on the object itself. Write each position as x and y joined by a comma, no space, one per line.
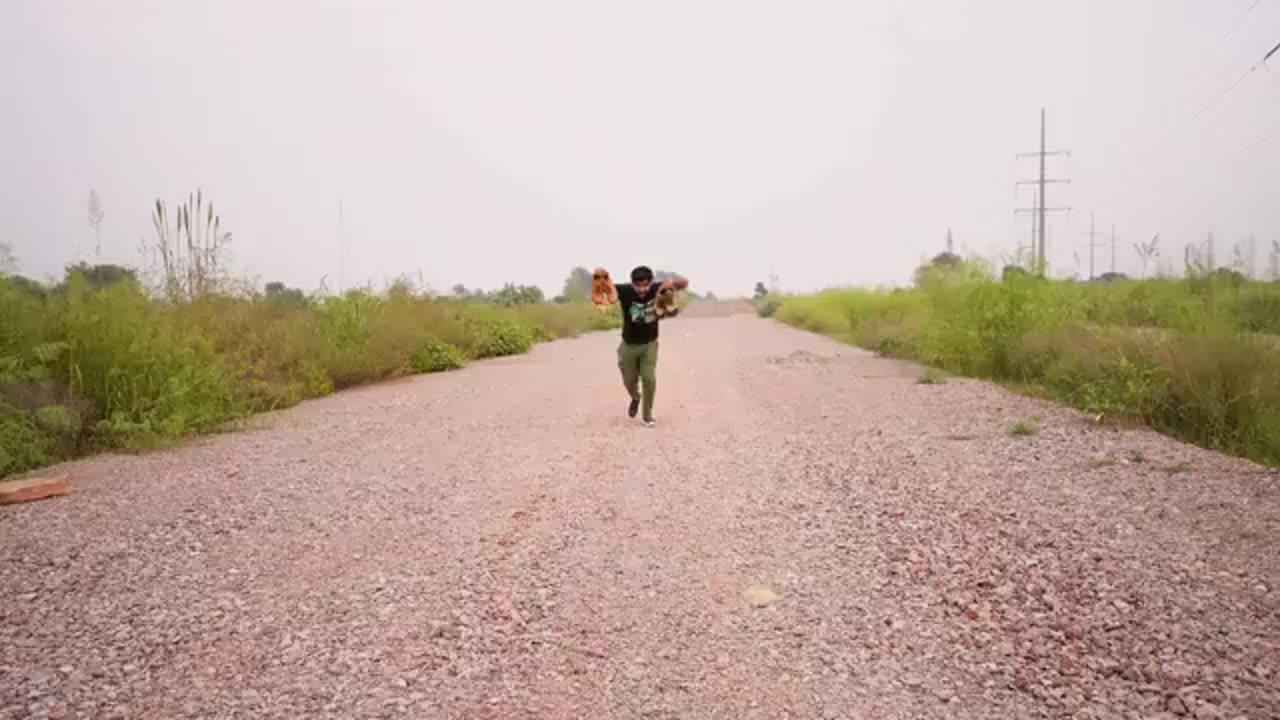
718,308
799,357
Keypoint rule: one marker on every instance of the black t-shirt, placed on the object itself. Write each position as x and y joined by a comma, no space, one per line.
639,315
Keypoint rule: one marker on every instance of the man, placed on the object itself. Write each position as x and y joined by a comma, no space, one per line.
638,351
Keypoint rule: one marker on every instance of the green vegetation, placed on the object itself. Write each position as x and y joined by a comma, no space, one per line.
86,367
1023,428
435,355
102,361
767,305
1196,358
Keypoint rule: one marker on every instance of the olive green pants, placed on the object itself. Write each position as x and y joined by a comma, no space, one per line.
639,364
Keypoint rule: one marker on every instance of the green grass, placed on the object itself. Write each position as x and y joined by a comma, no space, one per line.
1023,428
1197,359
85,368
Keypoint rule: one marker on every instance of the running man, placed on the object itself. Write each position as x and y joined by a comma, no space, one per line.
638,351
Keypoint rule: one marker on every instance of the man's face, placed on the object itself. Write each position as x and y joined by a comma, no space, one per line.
642,286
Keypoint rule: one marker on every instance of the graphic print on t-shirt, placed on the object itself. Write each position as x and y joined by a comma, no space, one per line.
643,312
639,316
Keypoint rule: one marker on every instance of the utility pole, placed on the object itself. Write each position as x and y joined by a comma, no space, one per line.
1035,203
1029,249
1093,244
1253,257
1042,193
1040,209
1113,249
341,238
96,213
1211,262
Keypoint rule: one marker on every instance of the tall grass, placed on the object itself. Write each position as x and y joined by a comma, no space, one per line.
1198,359
87,366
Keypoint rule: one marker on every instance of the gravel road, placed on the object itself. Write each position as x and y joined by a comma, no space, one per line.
808,533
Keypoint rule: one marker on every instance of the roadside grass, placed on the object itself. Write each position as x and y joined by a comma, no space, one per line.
88,366
1023,428
1197,359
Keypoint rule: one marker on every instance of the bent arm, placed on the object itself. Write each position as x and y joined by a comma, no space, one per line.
677,283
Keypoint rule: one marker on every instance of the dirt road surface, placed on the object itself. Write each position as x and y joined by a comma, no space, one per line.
808,533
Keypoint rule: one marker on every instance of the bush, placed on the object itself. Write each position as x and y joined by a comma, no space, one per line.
1259,310
22,444
436,356
496,336
92,365
1185,357
767,305
142,371
555,321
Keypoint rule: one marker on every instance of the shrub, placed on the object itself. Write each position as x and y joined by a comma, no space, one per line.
22,444
435,356
142,372
555,321
767,305
1185,357
90,365
497,336
1259,310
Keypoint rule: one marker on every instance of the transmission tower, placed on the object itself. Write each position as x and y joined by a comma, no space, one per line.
1040,210
1093,246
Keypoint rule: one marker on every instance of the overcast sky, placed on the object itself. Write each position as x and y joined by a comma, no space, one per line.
481,142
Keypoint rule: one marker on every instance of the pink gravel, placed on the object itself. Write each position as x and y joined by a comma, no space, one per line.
808,533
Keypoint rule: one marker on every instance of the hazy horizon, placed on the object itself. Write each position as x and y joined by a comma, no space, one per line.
833,142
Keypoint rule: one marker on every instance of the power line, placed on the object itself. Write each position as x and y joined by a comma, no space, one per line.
1270,52
1204,53
1214,163
1232,155
1240,20
1218,97
1250,106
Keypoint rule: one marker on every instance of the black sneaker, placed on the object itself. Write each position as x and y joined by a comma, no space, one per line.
648,422
633,408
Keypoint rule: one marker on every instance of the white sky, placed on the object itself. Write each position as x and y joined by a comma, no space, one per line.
480,142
